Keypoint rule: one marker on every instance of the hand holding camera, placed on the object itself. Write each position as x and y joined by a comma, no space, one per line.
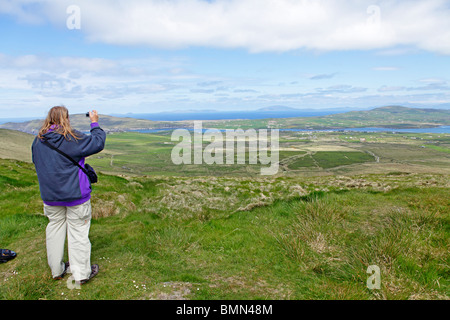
93,115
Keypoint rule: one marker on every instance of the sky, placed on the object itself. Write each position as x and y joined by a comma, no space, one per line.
146,56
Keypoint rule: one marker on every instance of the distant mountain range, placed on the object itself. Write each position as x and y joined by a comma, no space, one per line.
278,108
388,117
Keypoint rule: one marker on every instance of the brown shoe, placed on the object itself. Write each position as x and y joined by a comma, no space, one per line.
94,272
66,266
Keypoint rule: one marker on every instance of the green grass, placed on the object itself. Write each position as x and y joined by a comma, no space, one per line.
303,162
238,238
439,148
327,159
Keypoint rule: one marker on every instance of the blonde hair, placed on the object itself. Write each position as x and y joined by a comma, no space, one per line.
59,118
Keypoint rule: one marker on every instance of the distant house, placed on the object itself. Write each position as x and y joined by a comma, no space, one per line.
362,140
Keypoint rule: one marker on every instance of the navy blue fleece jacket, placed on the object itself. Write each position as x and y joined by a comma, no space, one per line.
61,183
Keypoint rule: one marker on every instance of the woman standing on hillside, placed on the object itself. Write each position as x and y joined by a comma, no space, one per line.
66,191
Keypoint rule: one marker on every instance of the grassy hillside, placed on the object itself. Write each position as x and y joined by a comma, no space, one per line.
239,238
15,145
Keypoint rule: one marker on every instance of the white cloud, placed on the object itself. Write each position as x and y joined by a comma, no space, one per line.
436,81
340,89
71,80
255,25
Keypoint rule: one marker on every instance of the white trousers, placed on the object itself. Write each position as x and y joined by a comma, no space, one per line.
75,222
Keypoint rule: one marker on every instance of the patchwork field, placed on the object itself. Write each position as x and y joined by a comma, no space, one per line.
318,153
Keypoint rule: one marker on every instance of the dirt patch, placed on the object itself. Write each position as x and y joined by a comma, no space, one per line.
172,291
258,287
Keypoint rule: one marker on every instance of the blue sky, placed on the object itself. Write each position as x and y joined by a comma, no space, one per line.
153,56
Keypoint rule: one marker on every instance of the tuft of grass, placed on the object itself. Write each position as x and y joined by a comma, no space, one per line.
339,243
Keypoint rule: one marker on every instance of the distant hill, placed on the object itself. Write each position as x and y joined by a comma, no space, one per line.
396,117
15,145
278,108
82,123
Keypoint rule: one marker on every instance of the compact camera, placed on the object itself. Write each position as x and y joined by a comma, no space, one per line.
87,114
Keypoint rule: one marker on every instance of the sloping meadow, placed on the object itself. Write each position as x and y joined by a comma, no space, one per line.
239,238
